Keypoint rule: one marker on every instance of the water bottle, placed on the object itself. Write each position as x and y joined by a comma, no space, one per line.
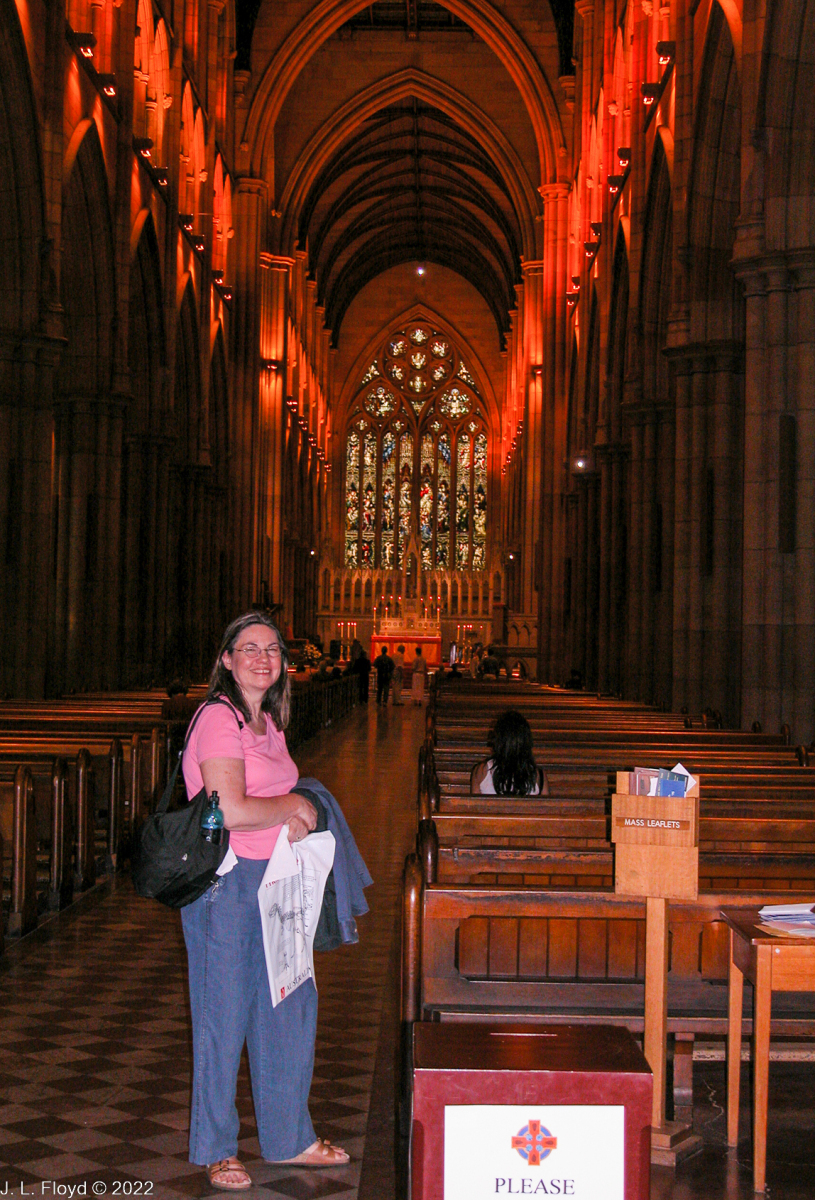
212,822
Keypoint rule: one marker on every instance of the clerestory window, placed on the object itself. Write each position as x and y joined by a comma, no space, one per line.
416,457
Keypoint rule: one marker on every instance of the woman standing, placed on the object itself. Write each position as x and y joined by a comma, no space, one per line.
398,667
239,750
419,676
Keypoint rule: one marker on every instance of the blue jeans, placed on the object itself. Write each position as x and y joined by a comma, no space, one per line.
231,1003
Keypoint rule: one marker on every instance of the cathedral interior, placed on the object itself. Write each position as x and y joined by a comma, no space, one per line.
482,322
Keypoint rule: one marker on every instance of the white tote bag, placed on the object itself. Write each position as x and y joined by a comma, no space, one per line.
290,898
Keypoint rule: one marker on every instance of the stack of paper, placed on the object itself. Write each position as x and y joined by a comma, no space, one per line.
798,920
650,781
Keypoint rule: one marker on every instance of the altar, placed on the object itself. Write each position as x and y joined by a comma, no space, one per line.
409,629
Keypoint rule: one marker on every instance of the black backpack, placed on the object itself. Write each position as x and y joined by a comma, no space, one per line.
171,862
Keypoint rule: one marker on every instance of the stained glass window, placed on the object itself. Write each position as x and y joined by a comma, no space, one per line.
426,499
405,491
480,502
463,501
368,500
352,499
380,402
443,502
454,403
416,457
464,374
388,506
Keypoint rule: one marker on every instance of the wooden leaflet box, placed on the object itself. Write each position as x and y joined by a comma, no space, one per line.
656,855
656,843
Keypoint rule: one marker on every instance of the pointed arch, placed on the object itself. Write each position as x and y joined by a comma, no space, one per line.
219,411
408,83
418,312
714,195
656,278
187,403
146,343
617,336
491,26
21,180
87,276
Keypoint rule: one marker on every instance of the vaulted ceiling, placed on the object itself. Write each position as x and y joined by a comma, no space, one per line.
409,186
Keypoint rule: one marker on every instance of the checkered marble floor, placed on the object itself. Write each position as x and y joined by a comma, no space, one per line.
95,1050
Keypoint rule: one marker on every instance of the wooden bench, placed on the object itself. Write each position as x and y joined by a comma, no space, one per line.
523,954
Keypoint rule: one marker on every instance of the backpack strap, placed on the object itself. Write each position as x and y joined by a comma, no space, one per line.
164,802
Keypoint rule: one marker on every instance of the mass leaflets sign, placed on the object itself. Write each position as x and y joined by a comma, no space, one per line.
534,1150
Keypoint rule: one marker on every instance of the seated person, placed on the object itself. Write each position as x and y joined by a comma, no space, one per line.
512,770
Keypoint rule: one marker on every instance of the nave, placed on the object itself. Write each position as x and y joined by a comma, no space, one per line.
94,1032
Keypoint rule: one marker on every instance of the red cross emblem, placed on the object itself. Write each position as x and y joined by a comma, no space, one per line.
534,1143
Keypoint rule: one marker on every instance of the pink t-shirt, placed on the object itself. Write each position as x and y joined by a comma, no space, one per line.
270,770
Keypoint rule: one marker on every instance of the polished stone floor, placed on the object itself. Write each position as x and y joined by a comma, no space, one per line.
94,1034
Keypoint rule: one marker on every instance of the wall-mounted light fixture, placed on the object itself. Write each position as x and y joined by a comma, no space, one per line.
666,53
108,84
85,44
596,228
624,157
218,276
582,462
186,220
615,182
162,177
199,244
144,147
537,370
226,292
592,249
650,93
273,365
571,301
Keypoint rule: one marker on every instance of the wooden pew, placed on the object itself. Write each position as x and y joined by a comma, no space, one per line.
524,954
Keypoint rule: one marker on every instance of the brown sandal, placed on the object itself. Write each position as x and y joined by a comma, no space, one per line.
229,1166
322,1154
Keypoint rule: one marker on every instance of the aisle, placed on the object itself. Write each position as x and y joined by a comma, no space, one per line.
94,1023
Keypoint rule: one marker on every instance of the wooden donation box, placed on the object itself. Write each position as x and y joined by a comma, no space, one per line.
520,1110
656,855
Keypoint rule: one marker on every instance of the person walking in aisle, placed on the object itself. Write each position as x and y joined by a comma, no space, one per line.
384,670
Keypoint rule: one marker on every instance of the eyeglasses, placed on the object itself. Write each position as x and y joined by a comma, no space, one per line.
252,651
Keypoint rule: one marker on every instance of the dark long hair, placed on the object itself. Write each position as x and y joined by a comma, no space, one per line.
222,682
514,770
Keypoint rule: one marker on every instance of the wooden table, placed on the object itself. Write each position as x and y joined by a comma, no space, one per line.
772,963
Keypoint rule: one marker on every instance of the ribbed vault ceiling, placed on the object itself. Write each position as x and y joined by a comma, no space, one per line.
410,185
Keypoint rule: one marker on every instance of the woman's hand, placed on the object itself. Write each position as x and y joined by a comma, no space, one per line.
297,829
303,811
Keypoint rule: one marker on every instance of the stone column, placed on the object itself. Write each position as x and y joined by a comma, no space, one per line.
250,203
778,667
275,275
